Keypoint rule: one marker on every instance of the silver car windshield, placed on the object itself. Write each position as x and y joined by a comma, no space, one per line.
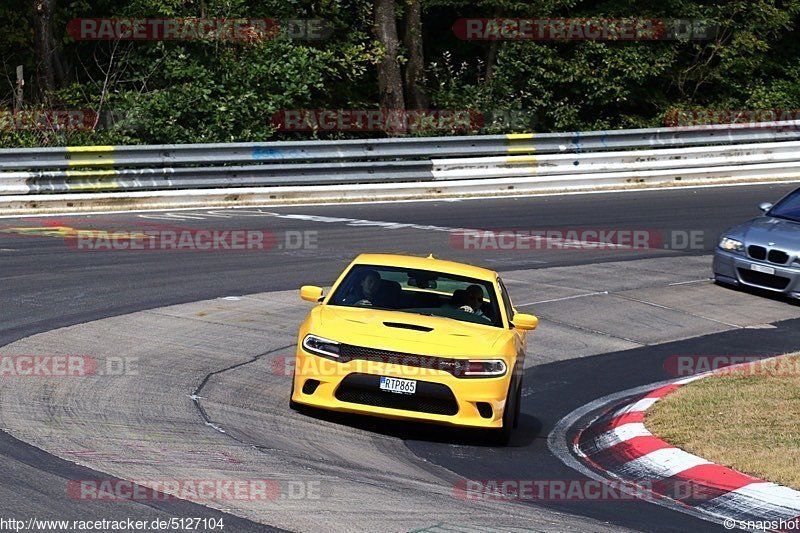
788,208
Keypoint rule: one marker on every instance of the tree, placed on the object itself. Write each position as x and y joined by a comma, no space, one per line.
51,72
390,81
416,94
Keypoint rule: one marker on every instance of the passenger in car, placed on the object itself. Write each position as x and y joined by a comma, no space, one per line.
458,299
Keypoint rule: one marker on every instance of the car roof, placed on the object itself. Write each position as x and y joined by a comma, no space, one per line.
426,263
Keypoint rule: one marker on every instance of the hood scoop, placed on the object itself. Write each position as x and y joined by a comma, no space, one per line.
407,326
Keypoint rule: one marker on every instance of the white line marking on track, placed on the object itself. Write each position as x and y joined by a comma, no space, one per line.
518,262
659,306
564,298
692,281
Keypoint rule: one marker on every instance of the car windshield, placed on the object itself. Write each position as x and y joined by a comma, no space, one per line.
422,292
788,207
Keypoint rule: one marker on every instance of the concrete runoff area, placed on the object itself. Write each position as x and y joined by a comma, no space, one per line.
144,424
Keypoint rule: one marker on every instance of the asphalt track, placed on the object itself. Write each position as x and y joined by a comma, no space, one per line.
46,285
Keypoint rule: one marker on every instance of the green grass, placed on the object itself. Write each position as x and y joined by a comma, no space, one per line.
747,419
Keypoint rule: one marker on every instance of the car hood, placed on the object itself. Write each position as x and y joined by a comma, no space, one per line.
765,230
405,332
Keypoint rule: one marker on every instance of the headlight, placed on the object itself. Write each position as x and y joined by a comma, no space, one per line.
485,368
321,346
731,245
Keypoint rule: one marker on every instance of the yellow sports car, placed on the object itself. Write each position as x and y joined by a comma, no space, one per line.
414,338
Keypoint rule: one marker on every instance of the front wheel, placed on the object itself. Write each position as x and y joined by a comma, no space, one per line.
293,405
502,436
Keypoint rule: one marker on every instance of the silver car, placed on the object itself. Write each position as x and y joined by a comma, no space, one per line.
763,252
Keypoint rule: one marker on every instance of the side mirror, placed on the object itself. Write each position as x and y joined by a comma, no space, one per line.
311,293
525,321
766,206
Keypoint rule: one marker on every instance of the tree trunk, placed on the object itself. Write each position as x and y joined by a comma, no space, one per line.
491,59
415,88
50,70
390,81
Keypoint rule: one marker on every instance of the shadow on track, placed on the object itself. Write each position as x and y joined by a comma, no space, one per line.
529,429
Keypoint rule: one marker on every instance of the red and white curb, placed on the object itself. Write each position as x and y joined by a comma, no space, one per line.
618,445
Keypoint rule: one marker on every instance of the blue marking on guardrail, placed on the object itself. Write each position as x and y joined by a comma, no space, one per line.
577,142
275,153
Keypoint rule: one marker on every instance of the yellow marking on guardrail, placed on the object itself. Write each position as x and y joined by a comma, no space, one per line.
92,185
91,180
99,148
90,173
100,160
512,137
90,162
521,160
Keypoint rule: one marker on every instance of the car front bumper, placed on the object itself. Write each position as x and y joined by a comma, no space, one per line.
736,269
441,398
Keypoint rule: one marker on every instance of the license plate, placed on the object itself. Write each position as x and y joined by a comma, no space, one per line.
765,270
398,386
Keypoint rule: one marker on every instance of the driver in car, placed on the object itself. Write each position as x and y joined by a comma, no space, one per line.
367,289
474,302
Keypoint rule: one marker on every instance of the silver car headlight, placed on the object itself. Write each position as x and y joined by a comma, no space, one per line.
731,245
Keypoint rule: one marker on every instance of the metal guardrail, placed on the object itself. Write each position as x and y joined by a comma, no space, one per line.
623,153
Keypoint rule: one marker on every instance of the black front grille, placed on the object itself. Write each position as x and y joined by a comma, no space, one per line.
349,352
433,398
778,256
757,252
764,280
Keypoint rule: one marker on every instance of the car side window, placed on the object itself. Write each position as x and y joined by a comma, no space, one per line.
506,300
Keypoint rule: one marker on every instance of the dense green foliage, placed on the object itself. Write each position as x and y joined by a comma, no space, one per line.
211,91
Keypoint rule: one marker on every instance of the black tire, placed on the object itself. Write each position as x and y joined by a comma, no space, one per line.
519,404
293,405
502,436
